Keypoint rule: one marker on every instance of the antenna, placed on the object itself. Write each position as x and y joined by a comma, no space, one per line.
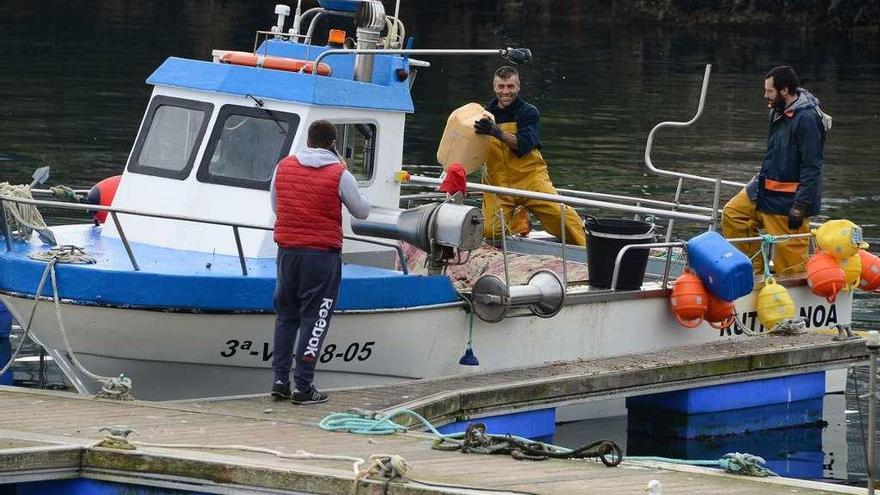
283,11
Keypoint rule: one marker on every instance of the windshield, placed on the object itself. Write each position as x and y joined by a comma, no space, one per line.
169,137
245,146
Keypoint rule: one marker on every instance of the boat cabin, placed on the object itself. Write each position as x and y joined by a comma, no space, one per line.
214,131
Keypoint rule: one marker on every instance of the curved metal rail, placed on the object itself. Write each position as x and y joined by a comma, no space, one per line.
114,211
625,249
650,144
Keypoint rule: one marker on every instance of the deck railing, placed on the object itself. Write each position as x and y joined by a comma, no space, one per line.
115,211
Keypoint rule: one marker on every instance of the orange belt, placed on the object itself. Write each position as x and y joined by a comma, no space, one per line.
779,186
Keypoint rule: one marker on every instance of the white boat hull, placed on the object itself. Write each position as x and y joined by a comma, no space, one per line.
176,355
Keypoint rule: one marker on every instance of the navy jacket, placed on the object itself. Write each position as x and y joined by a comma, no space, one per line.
792,168
528,123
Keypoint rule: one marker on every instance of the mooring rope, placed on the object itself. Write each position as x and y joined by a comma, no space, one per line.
111,387
365,422
735,463
27,326
476,440
371,423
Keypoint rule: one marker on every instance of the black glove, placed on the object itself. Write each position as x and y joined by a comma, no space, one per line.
796,216
488,126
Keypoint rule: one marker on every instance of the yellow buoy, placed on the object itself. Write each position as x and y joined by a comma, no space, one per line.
841,238
774,304
852,271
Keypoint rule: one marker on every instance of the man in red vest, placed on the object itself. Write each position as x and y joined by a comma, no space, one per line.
308,191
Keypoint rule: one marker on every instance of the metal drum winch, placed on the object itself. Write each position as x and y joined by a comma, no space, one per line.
440,229
543,295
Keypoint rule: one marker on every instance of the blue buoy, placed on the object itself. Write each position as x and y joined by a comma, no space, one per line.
469,358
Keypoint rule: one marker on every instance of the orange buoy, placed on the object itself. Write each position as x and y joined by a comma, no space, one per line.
825,276
102,194
720,313
270,62
689,300
870,270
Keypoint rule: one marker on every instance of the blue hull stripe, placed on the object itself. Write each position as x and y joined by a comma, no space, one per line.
181,280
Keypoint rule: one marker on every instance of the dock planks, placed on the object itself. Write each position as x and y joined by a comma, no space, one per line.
56,432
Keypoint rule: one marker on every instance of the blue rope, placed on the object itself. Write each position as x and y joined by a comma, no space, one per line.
366,423
369,423
694,462
735,463
766,241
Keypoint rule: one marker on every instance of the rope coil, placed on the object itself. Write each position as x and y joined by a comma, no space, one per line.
23,219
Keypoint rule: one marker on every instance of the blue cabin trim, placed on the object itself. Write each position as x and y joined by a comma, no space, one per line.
336,90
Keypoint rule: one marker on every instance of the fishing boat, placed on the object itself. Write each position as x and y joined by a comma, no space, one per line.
177,291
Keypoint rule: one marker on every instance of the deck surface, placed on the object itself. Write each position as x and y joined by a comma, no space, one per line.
42,431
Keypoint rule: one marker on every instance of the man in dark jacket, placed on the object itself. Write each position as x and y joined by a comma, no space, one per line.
787,190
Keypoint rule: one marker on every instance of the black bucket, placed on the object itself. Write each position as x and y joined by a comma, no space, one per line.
606,237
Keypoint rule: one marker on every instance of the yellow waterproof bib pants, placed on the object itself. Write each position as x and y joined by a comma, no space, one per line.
505,169
740,218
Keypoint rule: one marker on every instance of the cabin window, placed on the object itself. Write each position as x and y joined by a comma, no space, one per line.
357,145
169,137
245,146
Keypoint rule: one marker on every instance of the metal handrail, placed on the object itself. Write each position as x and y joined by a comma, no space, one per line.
114,211
556,198
625,249
649,145
583,194
401,256
619,197
406,51
776,238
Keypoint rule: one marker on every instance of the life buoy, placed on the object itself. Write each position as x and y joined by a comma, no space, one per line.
270,62
102,194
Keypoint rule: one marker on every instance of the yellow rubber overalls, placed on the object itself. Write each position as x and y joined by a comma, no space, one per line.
505,169
741,218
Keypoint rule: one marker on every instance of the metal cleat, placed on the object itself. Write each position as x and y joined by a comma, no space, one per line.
844,332
117,438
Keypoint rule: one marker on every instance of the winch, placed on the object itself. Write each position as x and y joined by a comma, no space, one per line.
442,230
543,294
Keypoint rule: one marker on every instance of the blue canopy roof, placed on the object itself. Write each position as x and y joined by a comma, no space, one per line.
339,89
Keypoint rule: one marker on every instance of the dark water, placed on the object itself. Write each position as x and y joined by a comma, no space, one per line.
72,92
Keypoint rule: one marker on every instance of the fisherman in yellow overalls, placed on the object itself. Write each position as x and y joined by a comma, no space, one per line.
514,160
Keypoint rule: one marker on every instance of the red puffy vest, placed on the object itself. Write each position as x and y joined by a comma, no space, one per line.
308,211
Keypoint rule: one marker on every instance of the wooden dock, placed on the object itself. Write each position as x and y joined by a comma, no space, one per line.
54,435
